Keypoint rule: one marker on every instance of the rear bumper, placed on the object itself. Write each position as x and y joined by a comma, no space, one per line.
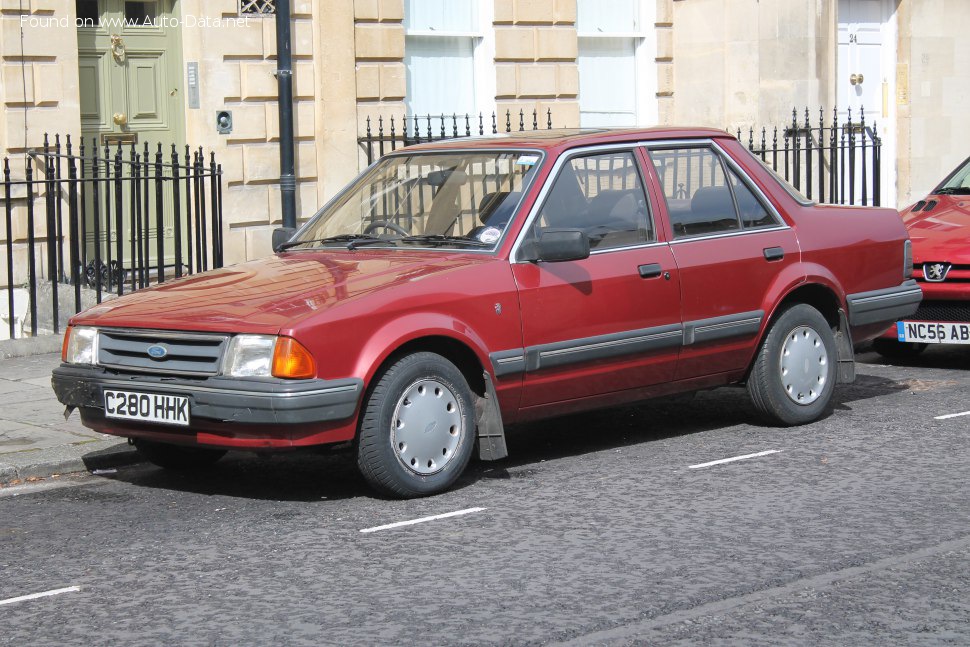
217,399
884,306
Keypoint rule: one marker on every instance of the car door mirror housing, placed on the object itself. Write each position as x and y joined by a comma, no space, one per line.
558,245
282,235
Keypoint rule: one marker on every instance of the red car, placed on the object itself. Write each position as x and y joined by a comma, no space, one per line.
939,227
457,287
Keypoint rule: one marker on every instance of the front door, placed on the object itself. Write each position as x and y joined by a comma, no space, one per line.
610,322
867,78
129,72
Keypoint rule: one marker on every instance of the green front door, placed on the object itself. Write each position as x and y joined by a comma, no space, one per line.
130,77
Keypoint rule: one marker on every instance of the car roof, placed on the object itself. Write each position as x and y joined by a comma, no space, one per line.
561,138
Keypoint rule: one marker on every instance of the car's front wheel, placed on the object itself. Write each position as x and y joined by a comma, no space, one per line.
177,457
793,376
417,427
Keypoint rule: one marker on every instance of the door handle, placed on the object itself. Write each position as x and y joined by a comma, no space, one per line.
774,253
650,271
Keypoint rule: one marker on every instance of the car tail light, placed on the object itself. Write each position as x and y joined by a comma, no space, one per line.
292,360
908,259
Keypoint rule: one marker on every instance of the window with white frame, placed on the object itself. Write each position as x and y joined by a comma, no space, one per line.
617,78
446,52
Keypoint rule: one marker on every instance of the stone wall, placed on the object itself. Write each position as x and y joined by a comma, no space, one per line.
749,62
932,93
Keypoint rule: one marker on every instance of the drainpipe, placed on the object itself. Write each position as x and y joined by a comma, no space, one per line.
284,79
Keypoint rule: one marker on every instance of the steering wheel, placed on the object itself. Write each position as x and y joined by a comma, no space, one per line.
386,224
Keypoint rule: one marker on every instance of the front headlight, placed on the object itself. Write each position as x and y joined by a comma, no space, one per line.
268,355
80,345
250,356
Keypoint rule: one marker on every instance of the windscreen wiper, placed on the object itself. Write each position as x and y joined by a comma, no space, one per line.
441,239
353,241
954,190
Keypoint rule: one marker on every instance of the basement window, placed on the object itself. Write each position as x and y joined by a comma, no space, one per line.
257,7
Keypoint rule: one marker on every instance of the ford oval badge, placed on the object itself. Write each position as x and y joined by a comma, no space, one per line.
157,351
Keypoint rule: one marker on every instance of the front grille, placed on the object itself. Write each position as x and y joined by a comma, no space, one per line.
942,311
186,353
956,274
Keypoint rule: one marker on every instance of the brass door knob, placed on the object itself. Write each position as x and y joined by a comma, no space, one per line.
856,79
120,118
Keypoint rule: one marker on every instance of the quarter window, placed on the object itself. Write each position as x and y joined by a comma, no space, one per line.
602,195
705,197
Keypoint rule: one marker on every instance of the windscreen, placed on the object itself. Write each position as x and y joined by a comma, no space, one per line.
443,200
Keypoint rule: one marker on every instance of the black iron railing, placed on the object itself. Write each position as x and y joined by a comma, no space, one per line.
839,163
381,137
117,219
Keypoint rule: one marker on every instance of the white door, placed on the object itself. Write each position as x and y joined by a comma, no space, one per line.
866,81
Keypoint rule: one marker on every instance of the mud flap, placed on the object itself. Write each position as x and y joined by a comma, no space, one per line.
491,431
843,342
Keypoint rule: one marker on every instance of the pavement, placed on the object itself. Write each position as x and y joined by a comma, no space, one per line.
36,441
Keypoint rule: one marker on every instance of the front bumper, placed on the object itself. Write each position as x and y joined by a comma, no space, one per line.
218,399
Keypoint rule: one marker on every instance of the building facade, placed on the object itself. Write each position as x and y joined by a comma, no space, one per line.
166,71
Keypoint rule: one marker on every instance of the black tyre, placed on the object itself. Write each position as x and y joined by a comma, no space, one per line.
897,349
793,375
177,457
417,429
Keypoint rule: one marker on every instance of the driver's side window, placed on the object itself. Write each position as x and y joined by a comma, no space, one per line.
603,196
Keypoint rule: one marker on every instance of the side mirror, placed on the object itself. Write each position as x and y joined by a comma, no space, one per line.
282,235
562,245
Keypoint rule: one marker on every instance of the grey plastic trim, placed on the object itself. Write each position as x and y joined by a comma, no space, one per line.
886,305
603,346
507,362
739,325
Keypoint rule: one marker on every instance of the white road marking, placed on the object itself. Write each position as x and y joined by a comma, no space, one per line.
457,513
735,458
45,594
952,415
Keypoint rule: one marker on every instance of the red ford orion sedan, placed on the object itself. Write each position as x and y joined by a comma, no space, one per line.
457,287
939,226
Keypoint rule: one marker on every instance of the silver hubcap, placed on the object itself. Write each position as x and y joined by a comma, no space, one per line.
804,365
427,427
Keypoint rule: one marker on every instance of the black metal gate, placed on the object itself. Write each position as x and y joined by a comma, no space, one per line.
106,212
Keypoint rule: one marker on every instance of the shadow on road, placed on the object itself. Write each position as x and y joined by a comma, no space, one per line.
307,476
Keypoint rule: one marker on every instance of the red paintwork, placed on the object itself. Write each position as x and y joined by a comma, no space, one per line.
940,235
353,308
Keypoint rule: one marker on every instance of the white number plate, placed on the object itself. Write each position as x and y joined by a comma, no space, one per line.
147,407
933,332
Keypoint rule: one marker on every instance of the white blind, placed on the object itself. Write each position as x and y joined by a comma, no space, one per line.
607,82
594,16
440,75
441,15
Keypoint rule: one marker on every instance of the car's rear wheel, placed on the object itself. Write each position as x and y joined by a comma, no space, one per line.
417,428
793,376
897,349
177,457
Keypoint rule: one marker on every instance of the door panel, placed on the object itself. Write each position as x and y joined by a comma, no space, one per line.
92,70
609,322
146,104
728,247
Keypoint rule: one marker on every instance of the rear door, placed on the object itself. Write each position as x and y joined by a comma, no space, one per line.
729,244
610,322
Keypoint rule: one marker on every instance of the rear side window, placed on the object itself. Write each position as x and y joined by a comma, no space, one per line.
705,196
603,196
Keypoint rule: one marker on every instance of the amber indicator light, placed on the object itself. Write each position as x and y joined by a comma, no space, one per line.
291,360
